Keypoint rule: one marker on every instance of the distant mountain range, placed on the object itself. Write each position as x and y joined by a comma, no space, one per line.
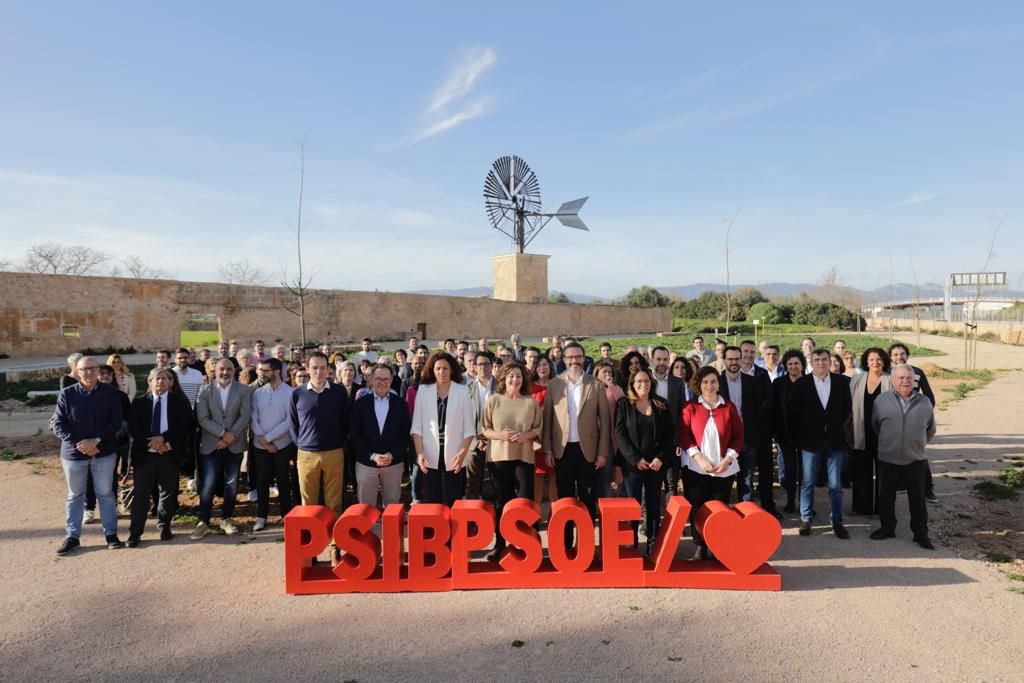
898,291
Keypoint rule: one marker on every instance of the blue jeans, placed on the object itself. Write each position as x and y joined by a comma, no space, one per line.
212,466
603,480
745,477
77,474
834,465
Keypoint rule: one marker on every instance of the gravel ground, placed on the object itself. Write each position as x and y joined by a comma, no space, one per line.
853,610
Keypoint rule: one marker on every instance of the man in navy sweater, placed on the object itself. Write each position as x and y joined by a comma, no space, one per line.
320,412
87,419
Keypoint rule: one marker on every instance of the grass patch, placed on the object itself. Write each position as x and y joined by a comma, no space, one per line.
683,343
8,457
634,608
1014,576
998,556
187,519
517,643
1013,478
993,491
199,338
1017,590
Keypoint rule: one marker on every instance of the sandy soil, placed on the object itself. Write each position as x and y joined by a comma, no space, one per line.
852,610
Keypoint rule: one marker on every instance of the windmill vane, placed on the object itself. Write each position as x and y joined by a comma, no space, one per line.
512,201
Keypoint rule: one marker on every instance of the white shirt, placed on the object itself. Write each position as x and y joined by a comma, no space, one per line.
162,406
735,391
380,409
224,393
483,391
662,386
368,355
824,388
574,394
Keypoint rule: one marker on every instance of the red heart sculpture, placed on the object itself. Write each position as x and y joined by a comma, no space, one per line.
742,538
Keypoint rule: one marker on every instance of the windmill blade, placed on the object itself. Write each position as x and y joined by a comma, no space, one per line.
572,221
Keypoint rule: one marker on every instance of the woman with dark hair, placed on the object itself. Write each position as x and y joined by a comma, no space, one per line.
864,389
794,364
604,370
646,437
442,429
539,378
630,363
837,364
511,422
555,356
711,436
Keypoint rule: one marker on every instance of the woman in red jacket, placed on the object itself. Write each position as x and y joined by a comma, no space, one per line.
711,436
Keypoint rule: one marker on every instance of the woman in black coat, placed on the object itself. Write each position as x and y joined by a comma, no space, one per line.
646,437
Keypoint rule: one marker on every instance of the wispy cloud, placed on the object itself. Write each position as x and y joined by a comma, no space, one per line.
438,117
916,198
462,78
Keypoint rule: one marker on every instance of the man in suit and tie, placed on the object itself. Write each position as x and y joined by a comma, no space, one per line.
763,446
480,389
223,409
743,391
577,429
670,388
819,414
379,430
160,425
517,348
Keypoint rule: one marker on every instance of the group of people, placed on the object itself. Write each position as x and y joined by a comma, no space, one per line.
463,421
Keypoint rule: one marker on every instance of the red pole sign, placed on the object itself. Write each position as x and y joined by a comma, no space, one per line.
442,540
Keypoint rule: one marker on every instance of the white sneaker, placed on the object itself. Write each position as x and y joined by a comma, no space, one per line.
191,485
274,493
252,495
260,524
200,533
228,526
89,517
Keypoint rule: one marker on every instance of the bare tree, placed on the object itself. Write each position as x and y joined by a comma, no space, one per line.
728,222
243,273
6,265
917,300
140,270
971,326
298,286
63,259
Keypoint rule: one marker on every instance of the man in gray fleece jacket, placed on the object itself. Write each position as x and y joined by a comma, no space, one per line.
905,422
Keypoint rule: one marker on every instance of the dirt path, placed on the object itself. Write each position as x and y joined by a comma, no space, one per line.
990,355
852,610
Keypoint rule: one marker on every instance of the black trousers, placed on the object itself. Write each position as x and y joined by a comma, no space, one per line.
476,463
700,488
512,479
765,476
644,486
574,478
673,476
791,471
863,484
914,477
270,467
160,471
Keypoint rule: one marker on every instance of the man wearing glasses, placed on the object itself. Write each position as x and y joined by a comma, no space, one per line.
87,419
480,389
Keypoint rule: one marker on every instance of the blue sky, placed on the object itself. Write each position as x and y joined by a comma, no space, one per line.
844,134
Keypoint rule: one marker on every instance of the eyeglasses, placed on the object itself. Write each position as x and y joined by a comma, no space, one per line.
89,368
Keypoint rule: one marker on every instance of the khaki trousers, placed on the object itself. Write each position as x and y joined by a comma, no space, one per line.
330,465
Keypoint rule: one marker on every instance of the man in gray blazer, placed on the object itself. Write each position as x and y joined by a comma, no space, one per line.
480,389
223,409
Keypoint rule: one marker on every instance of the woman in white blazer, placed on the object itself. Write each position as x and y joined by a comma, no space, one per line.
864,389
442,429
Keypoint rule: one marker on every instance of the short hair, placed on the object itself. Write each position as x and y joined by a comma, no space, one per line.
774,347
428,376
486,354
503,372
886,361
165,351
316,354
258,341
810,339
659,348
366,339
821,352
424,347
698,337
729,347
274,363
156,371
106,369
794,353
243,352
604,344
748,341
702,373
278,346
449,339
347,364
382,366
573,345
838,341
73,359
898,345
181,349
903,366
605,363
842,363
402,352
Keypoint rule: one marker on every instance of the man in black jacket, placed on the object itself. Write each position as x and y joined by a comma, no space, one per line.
763,446
379,430
159,426
743,391
672,389
819,416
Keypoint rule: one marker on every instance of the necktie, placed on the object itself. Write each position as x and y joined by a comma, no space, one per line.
154,424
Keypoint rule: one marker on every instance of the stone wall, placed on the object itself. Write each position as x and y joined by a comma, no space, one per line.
37,312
